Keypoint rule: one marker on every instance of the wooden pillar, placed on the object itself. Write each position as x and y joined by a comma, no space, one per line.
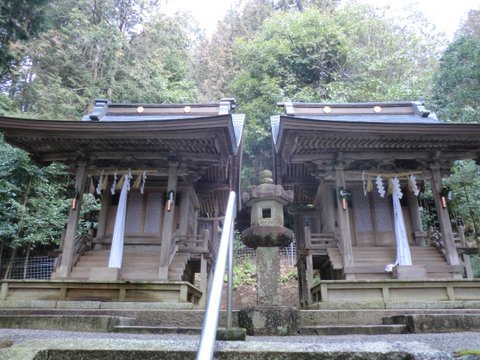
444,219
327,208
308,265
344,231
204,268
215,226
184,212
468,266
168,225
73,218
102,216
414,210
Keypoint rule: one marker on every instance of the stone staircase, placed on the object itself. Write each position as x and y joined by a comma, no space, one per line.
138,320
139,263
177,266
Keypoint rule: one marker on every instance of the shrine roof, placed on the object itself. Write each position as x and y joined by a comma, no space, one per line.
104,110
303,135
401,119
194,130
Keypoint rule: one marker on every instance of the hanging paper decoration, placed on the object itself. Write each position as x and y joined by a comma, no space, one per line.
410,177
144,179
100,185
412,184
364,181
129,178
380,186
396,189
114,185
403,255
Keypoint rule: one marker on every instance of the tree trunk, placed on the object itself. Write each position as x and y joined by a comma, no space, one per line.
10,264
20,228
25,265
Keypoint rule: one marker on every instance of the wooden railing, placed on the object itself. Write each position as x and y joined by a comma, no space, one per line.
194,244
319,241
436,240
82,243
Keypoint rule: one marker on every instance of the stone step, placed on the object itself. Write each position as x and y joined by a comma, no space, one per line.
186,348
354,329
142,329
437,323
359,316
95,323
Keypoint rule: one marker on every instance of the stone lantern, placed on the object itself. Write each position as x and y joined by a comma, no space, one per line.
267,235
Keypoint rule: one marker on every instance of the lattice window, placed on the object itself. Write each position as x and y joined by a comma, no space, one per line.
153,213
133,221
383,213
362,214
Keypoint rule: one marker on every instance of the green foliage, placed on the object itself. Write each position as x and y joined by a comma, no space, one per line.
348,55
32,206
244,273
290,275
468,352
237,243
88,219
103,49
19,21
456,85
291,52
475,260
388,58
464,182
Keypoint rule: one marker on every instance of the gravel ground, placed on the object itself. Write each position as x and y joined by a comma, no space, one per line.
448,342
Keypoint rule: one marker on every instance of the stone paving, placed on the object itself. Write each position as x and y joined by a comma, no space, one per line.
425,346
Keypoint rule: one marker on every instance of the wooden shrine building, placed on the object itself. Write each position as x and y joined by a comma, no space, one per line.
356,171
163,174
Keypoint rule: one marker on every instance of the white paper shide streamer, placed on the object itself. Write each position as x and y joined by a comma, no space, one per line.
413,184
380,186
100,185
116,252
403,250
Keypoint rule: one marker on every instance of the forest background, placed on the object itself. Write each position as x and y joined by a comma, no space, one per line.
57,56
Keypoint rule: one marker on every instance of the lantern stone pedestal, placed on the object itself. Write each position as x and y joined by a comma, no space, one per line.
267,234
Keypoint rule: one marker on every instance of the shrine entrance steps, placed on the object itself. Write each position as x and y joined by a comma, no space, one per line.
158,318
369,262
139,263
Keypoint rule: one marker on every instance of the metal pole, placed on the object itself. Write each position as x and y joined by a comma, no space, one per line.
291,254
210,321
230,280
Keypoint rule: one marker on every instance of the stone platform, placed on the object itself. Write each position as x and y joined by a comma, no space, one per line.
185,348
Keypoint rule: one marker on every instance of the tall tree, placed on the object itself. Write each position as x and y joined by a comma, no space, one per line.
456,84
456,97
33,208
352,54
122,50
19,21
215,64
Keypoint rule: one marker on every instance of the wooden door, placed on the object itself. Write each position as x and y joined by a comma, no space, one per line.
144,214
372,218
